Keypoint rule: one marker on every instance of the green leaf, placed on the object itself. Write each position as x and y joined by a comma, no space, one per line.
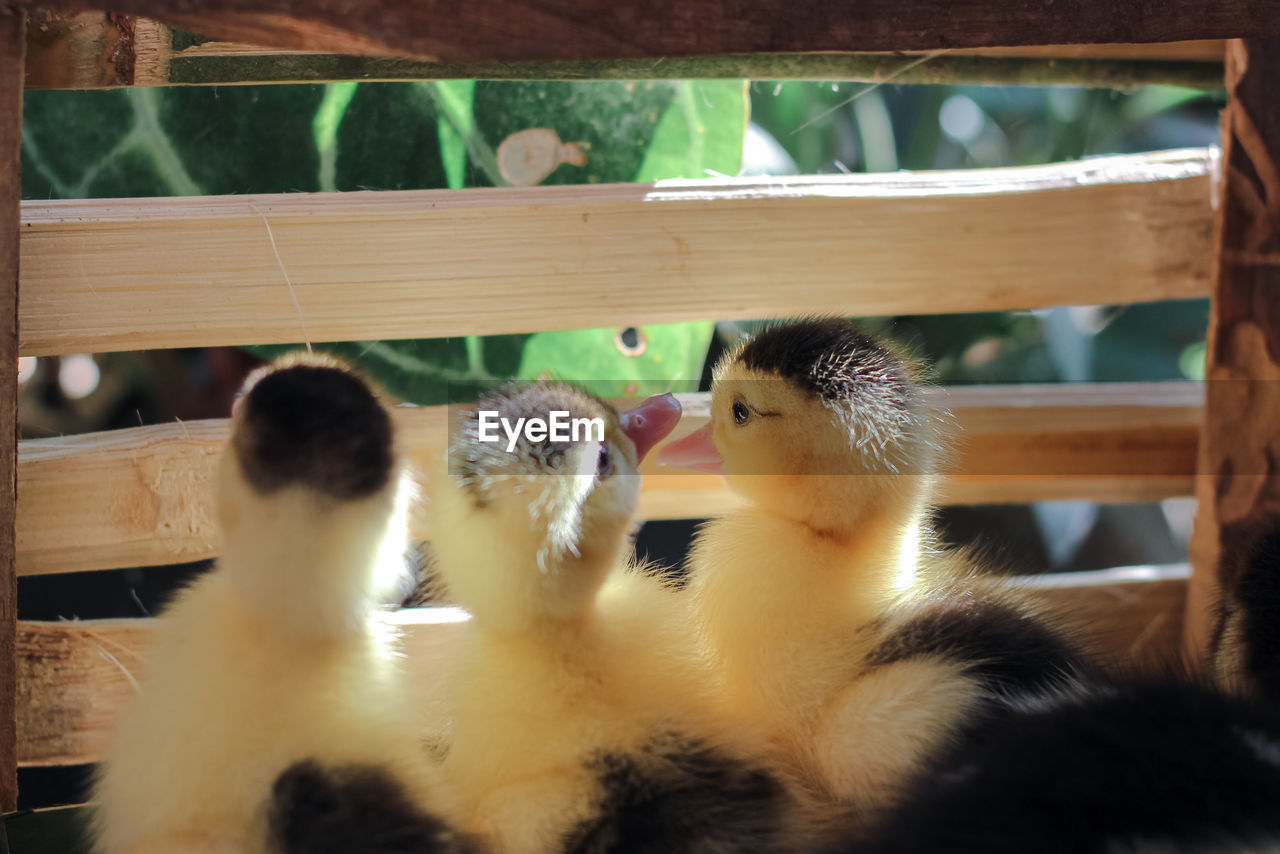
388,140
64,137
701,132
333,106
614,122
663,357
432,371
455,126
233,139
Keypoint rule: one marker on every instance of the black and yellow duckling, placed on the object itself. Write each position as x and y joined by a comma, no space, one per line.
1175,765
277,656
582,719
834,620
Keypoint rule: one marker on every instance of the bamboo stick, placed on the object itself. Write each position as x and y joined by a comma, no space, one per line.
553,29
12,41
187,272
142,497
88,50
74,676
245,68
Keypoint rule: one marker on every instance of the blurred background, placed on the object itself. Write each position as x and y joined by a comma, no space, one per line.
436,134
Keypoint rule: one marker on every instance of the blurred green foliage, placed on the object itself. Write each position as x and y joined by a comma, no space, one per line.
437,134
399,136
813,128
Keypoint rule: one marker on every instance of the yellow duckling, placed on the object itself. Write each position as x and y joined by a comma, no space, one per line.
811,595
276,656
581,718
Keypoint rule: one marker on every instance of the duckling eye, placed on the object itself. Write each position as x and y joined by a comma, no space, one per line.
741,414
604,464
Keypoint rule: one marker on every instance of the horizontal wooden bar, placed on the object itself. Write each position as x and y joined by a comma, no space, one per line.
1130,615
74,676
253,68
135,274
142,497
87,50
611,29
1204,50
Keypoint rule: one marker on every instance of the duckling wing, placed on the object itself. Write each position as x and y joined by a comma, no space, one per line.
353,809
1171,767
682,795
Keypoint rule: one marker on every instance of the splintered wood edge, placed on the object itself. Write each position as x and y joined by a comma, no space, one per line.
74,676
137,274
143,496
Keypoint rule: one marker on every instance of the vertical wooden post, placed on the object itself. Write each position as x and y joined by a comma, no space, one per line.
12,45
1239,487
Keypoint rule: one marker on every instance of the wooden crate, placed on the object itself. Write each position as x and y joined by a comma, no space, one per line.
1114,230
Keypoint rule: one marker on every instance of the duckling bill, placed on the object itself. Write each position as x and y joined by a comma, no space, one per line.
814,596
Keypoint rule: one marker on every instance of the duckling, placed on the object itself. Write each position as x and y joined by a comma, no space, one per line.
276,656
1169,764
581,720
834,619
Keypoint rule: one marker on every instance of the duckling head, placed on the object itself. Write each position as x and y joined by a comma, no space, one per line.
538,499
311,493
819,422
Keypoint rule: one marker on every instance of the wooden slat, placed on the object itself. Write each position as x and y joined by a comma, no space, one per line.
1204,50
74,676
188,272
1241,437
577,29
209,69
12,43
88,50
141,497
1132,615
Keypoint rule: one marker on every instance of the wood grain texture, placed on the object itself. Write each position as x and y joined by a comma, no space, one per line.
1131,615
79,50
600,29
12,42
74,676
142,497
189,272
206,69
1240,441
89,50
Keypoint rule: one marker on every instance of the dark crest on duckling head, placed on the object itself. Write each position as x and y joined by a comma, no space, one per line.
314,425
475,460
827,356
